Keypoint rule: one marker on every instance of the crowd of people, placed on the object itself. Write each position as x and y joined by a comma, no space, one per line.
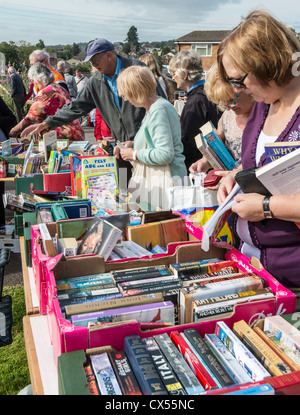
251,94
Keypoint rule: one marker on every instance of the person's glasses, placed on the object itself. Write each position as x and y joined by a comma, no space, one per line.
231,105
238,83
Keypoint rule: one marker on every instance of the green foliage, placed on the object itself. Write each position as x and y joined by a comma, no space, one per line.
133,39
14,372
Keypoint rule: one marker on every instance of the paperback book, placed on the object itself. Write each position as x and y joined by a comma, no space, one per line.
105,376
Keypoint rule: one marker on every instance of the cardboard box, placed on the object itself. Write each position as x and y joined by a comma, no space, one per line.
72,379
22,184
58,182
67,337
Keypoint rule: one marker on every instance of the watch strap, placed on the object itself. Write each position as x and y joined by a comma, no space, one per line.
266,208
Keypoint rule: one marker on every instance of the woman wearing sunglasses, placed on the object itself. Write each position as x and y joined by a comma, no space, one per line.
259,57
237,109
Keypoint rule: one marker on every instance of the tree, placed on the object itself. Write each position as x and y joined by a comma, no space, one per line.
10,50
40,44
75,49
133,38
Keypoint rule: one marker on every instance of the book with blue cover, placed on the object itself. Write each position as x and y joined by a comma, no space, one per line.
274,151
213,140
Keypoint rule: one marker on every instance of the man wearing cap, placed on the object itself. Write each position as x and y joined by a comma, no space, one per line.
122,118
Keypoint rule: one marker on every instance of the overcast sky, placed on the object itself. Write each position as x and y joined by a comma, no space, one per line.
68,21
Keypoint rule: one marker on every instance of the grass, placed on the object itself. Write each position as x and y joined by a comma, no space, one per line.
14,372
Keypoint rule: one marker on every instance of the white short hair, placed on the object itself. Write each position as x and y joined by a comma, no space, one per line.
11,69
41,73
189,61
39,56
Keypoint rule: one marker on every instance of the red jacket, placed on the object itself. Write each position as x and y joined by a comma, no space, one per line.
100,130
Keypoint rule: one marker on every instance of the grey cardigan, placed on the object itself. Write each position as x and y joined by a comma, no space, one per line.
123,124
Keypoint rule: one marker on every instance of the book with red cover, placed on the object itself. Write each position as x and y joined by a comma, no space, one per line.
202,375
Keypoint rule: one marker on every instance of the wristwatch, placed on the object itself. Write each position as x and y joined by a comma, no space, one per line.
266,208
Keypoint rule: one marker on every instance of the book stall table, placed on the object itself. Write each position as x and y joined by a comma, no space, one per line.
31,298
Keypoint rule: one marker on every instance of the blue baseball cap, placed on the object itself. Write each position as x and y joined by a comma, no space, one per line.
98,46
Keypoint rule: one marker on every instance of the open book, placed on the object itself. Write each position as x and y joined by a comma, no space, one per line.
216,222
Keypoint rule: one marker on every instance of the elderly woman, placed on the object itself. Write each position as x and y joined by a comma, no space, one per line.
238,107
258,57
187,71
49,99
157,142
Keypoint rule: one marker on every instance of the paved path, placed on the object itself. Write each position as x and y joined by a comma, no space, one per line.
13,271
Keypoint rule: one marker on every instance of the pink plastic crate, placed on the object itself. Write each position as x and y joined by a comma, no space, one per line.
66,337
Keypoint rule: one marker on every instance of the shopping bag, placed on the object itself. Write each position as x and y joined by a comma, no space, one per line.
150,184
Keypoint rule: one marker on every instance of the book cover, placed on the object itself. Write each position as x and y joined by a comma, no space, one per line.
210,156
100,238
128,285
51,161
15,202
140,273
265,389
87,294
176,266
124,373
158,233
78,146
243,355
143,367
49,143
6,148
181,369
288,334
213,140
198,344
91,306
295,358
274,151
201,373
284,356
271,361
85,280
153,312
164,368
281,176
105,376
227,359
65,302
130,249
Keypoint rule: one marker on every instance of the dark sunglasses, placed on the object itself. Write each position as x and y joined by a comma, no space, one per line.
238,83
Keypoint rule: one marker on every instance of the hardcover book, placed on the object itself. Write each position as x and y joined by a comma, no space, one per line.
182,370
155,312
106,378
274,151
213,140
100,238
143,367
124,373
164,368
208,153
198,344
243,355
272,362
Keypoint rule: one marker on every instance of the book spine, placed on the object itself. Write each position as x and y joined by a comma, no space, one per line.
227,359
217,160
143,367
140,275
222,375
102,277
91,306
292,365
88,293
201,373
211,158
243,355
265,389
182,370
63,289
80,300
106,378
91,380
124,373
164,369
260,349
208,267
128,285
221,151
177,265
189,279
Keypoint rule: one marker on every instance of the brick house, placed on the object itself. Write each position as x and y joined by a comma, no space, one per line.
205,42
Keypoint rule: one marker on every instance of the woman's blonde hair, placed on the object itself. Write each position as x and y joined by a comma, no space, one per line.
263,46
217,90
137,83
189,61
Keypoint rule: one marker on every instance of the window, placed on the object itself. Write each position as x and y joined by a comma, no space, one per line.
204,49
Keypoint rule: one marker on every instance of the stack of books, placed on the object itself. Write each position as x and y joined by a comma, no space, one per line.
241,360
